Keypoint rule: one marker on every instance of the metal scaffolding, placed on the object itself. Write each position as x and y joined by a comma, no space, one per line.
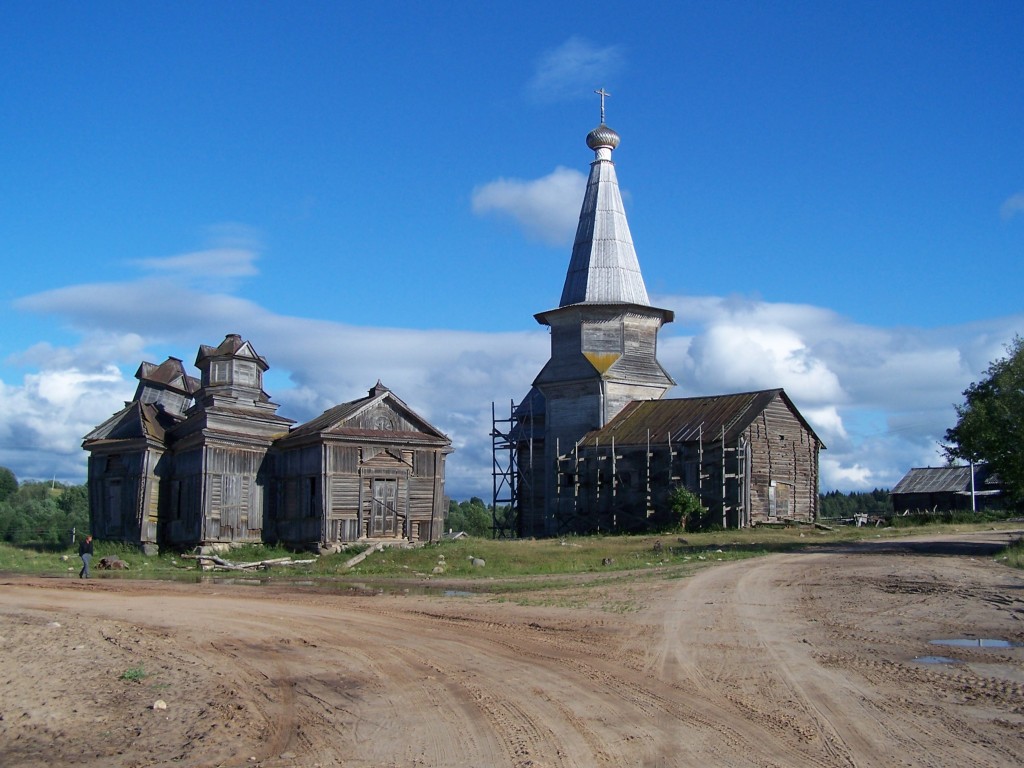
505,473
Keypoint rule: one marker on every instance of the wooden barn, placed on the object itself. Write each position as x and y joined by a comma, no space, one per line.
208,461
751,458
947,488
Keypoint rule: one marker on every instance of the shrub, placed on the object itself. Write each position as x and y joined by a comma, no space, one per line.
687,510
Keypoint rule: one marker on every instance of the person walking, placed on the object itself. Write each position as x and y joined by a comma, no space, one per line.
85,552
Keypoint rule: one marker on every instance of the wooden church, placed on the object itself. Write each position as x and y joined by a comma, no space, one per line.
594,445
208,461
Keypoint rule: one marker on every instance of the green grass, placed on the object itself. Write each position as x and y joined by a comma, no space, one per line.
1013,555
48,562
517,564
134,674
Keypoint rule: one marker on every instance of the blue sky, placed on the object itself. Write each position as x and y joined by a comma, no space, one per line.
830,196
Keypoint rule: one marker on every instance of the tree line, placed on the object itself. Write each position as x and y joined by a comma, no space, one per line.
835,504
41,513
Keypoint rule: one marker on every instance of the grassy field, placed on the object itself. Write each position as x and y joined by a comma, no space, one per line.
669,555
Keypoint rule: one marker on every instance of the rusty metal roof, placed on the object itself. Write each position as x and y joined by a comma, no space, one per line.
688,419
946,480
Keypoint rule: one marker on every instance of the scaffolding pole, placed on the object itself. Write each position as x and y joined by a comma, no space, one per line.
505,476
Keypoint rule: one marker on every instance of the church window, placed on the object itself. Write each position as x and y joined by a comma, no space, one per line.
220,372
245,374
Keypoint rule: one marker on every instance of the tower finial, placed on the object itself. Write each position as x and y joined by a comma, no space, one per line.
603,94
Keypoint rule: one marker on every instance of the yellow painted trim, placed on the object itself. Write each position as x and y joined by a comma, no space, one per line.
602,361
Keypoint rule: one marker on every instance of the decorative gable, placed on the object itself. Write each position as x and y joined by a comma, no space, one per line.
377,457
246,350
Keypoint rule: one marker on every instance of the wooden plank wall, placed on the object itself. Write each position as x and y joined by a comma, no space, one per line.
771,473
784,453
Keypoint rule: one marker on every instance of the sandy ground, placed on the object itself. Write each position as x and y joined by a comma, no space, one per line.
809,659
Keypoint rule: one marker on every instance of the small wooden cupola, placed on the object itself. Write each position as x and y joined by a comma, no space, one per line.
232,370
166,386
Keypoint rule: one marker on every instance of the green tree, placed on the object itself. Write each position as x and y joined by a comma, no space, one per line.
990,422
836,504
8,483
473,516
42,514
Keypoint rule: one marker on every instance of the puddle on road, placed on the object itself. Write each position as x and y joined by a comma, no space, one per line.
981,642
936,660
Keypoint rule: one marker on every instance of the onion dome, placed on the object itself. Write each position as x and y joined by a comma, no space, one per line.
602,136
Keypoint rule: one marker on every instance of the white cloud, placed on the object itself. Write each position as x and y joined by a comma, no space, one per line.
547,209
855,476
449,377
747,355
95,352
880,398
213,262
573,69
43,420
1012,206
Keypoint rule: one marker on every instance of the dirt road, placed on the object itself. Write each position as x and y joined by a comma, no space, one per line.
806,659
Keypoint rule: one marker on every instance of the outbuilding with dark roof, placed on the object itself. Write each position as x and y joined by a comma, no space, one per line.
947,488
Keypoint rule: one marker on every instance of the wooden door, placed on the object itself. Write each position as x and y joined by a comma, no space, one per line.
383,515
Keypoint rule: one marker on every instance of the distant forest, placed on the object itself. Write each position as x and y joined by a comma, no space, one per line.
844,505
41,513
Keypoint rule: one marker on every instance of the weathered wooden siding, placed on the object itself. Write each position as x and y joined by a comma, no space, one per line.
337,505
217,496
785,467
124,495
769,473
232,472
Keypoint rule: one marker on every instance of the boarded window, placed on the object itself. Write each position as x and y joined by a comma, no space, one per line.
220,372
310,506
245,374
779,496
114,507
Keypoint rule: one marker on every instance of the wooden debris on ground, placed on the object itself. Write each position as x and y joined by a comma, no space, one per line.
215,562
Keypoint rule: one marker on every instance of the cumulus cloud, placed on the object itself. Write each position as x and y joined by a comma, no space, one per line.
43,419
747,355
880,398
573,69
1012,206
315,364
547,209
